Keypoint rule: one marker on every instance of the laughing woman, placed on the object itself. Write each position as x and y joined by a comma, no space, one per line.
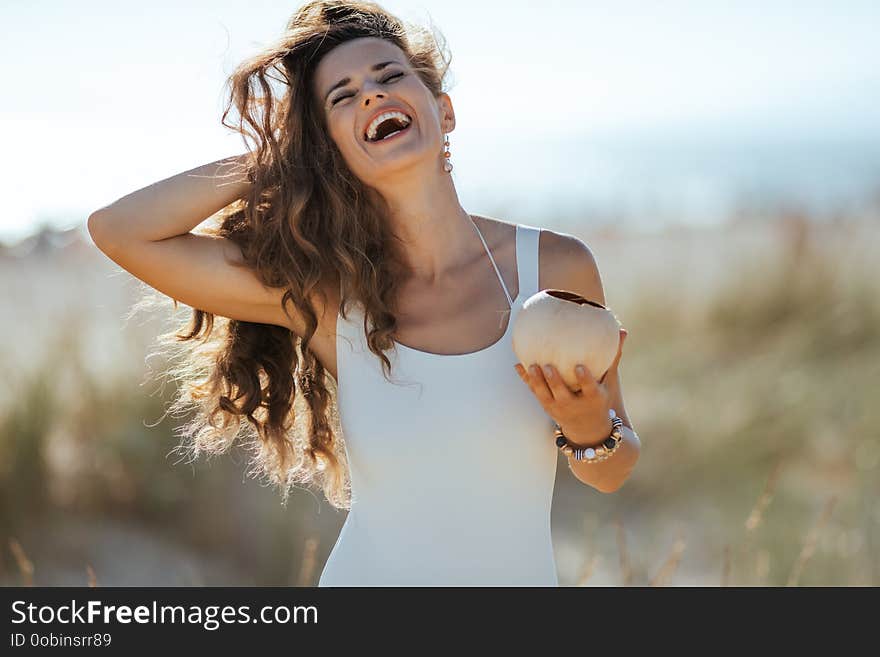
338,249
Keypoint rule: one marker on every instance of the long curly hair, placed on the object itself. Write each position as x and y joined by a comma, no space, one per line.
307,223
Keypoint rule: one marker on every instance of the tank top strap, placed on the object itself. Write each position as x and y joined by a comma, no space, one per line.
492,259
527,246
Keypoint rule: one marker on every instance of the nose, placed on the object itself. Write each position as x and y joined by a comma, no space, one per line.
370,95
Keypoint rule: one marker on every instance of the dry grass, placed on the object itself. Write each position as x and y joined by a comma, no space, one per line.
667,570
588,570
93,578
309,568
725,566
25,566
626,573
810,543
756,515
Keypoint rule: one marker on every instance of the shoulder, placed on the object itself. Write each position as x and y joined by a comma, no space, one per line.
567,263
497,232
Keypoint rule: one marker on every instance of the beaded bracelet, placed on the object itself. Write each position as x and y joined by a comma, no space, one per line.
592,454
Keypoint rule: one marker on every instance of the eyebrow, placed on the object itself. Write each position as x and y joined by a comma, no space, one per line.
345,81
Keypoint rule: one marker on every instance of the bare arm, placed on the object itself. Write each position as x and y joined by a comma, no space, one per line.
571,265
147,233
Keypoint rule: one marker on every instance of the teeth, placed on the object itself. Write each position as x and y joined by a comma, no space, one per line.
374,124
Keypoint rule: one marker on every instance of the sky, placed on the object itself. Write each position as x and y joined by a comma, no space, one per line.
101,98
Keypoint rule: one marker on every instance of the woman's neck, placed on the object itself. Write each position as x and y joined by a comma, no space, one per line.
435,229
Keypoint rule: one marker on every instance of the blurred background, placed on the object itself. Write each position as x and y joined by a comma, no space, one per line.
722,160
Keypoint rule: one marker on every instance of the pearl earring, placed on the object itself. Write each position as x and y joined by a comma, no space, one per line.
447,165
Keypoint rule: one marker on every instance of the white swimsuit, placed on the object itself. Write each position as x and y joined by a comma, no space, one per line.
452,466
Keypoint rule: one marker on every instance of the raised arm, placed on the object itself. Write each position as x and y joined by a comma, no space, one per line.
147,233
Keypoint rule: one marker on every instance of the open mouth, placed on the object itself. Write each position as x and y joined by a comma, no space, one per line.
387,127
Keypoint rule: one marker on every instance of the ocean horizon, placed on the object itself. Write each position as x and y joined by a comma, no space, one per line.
639,181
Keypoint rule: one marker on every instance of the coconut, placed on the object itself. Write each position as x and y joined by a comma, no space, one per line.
563,328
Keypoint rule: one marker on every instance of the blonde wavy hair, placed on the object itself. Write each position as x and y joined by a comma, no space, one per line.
306,223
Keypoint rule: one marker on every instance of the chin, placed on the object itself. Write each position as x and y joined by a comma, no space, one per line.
404,161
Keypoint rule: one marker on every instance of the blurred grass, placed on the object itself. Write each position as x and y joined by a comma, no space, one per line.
753,396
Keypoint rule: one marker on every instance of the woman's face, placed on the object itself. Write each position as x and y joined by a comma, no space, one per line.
363,78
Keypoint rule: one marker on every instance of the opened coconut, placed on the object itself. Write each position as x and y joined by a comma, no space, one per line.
563,328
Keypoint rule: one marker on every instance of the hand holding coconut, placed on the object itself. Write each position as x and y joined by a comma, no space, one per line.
567,340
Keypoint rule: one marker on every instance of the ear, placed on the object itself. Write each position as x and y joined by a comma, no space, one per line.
447,113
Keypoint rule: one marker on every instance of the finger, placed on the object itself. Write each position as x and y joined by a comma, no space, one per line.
539,385
558,388
588,384
523,373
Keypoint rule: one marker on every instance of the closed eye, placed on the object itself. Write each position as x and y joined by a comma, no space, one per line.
385,81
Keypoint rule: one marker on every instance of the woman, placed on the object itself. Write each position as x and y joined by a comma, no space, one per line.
346,240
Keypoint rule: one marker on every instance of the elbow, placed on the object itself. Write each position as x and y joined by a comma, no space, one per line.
611,487
605,485
619,481
99,231
94,226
